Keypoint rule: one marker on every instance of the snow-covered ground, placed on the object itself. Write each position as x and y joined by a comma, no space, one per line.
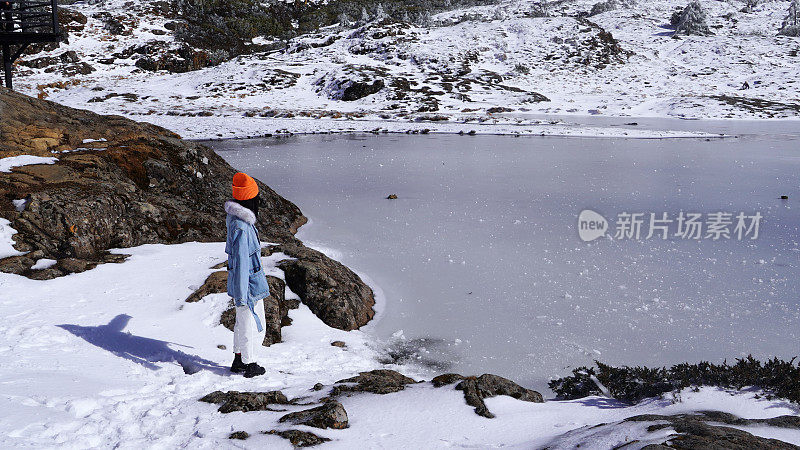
98,359
453,71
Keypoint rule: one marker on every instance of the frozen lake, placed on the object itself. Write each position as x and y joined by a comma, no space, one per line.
480,254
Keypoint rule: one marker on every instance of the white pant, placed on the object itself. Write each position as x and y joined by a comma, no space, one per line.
246,337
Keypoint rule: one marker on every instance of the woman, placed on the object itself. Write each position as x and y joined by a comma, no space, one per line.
247,284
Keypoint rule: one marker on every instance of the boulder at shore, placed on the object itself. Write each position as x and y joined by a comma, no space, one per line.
331,291
486,386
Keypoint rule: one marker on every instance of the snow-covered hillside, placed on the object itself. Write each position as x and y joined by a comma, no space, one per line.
502,65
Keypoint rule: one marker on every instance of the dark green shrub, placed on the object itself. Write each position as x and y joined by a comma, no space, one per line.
776,377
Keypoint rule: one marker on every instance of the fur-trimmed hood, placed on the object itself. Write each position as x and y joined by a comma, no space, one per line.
237,210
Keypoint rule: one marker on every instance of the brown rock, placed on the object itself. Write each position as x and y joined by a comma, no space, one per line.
380,381
330,415
245,401
72,265
332,292
487,385
702,431
17,264
216,283
300,438
690,432
473,397
339,344
242,435
445,379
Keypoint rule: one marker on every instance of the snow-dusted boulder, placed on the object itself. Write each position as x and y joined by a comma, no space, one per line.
350,83
379,381
330,415
331,291
706,430
233,401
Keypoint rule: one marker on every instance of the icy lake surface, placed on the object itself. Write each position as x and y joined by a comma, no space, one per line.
482,267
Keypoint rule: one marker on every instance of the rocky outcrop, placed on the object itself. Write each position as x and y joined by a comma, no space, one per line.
485,386
380,381
174,59
117,183
330,415
703,431
332,292
241,435
351,83
245,401
445,379
216,283
300,438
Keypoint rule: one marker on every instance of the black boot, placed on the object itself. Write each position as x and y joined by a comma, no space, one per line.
238,366
253,370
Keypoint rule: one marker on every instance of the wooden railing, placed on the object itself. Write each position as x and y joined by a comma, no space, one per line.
28,16
23,22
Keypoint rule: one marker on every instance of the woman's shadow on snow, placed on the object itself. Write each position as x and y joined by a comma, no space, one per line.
142,350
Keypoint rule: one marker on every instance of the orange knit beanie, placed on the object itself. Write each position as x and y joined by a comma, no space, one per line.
244,186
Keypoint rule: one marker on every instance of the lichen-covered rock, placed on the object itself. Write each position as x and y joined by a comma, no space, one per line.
485,386
241,435
330,415
351,83
245,401
704,430
331,291
300,438
177,59
216,283
445,379
379,381
132,184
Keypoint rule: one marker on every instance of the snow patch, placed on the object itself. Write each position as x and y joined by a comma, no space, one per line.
6,241
43,263
6,164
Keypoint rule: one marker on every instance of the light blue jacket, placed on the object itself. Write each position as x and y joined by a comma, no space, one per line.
247,283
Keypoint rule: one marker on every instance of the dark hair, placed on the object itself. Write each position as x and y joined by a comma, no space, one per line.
251,204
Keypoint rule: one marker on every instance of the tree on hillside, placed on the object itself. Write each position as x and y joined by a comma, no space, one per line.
610,5
749,5
605,6
791,24
693,20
